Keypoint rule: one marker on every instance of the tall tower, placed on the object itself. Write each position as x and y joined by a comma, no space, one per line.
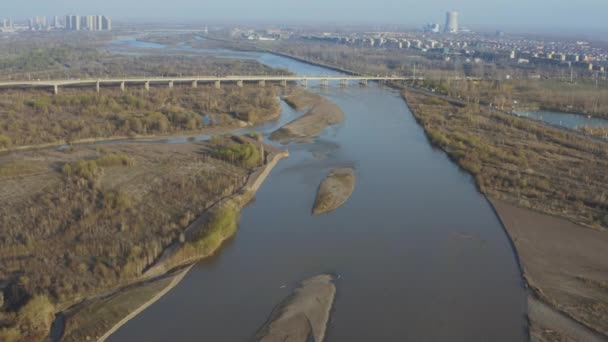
451,22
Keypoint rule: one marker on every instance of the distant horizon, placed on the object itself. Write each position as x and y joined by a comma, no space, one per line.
583,16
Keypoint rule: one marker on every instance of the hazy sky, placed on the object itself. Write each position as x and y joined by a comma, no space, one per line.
523,14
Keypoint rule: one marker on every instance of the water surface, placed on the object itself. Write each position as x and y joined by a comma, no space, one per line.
568,120
419,252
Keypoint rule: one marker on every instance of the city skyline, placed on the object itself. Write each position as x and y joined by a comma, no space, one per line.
516,15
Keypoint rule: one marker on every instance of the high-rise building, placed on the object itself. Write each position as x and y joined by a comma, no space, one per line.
89,22
68,22
451,22
56,22
98,22
75,22
106,23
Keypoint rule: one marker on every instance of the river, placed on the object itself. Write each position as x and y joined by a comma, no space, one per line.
420,254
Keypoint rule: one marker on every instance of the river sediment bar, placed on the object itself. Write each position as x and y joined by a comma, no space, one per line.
334,191
303,316
321,114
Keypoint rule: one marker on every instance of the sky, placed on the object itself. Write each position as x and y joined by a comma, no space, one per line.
520,15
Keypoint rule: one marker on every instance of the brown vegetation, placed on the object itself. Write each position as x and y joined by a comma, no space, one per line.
530,94
86,220
559,178
38,117
83,55
523,162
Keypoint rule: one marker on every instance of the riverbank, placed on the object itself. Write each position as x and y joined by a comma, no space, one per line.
180,255
543,184
566,267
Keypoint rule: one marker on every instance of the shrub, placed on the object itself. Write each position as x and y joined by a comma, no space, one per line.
115,159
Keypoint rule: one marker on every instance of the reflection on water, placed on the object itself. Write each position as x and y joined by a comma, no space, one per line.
406,272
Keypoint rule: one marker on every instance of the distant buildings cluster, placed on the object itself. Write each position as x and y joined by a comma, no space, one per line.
68,22
451,25
88,23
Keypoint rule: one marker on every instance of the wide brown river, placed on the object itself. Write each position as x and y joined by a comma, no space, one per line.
420,254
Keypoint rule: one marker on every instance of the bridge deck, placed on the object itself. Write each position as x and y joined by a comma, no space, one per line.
53,83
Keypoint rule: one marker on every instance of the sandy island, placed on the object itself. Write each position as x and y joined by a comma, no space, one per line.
334,191
303,316
321,114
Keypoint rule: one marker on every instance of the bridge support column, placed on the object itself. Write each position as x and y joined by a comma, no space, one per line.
304,83
194,84
147,85
98,87
325,82
283,83
363,83
344,83
218,84
262,83
239,83
122,86
56,89
170,84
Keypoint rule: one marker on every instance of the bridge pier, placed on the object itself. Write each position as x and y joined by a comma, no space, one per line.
325,82
194,84
218,84
344,83
262,83
98,87
363,83
56,89
122,86
283,83
170,84
147,85
239,83
304,83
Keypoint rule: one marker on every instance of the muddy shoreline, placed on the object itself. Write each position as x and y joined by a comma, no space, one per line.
561,275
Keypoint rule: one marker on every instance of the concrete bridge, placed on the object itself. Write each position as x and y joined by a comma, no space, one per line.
55,85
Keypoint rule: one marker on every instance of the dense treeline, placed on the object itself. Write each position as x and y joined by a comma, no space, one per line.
87,220
524,162
38,117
